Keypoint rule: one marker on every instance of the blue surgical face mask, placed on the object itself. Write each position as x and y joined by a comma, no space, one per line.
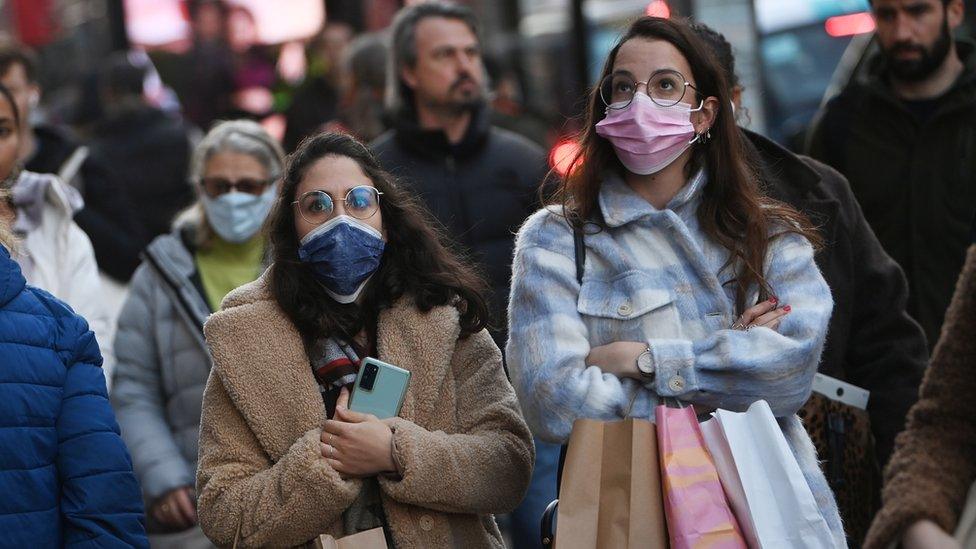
237,216
343,253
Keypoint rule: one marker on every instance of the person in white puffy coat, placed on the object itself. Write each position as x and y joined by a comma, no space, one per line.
56,255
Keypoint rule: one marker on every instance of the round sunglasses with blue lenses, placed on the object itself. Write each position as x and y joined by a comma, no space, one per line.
317,206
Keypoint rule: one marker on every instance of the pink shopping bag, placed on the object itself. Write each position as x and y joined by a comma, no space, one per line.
695,505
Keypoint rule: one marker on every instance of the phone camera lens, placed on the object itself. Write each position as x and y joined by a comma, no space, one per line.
369,377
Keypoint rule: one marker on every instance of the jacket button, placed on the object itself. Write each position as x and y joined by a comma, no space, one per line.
625,309
676,384
426,523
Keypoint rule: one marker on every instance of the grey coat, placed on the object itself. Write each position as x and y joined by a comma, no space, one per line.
163,365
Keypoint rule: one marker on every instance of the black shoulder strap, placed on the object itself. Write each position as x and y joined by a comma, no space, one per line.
579,246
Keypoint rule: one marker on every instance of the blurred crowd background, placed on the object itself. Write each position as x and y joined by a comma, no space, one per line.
120,91
300,65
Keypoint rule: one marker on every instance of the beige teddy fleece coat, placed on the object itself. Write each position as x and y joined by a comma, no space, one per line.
464,448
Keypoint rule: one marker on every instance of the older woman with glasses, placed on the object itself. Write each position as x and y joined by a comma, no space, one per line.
163,362
358,271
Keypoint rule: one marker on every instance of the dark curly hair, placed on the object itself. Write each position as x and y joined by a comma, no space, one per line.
418,261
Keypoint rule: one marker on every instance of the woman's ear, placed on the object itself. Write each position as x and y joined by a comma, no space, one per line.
704,119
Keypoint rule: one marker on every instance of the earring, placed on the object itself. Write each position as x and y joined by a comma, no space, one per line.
703,137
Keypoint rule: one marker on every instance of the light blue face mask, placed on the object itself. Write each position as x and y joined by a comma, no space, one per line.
237,216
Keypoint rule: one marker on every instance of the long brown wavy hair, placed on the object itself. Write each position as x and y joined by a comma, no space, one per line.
734,211
418,261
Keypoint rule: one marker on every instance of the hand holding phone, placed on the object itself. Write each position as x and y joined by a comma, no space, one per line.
357,445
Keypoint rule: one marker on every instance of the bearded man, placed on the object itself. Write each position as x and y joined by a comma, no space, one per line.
905,137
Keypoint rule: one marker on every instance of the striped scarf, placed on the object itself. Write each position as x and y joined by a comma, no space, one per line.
335,365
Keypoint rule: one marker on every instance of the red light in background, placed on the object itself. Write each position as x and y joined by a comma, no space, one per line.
849,25
563,155
658,8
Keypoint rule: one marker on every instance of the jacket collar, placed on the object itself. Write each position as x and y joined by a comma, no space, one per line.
790,179
133,119
780,167
12,281
172,259
620,204
172,256
35,192
260,357
434,143
959,94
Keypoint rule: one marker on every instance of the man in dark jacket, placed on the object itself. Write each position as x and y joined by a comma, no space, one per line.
106,216
480,181
905,138
872,342
148,149
316,101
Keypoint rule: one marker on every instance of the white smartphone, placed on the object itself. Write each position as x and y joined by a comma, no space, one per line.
841,391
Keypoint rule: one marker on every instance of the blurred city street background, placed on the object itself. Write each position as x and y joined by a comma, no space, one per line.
541,55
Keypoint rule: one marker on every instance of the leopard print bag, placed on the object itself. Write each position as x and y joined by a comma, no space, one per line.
844,442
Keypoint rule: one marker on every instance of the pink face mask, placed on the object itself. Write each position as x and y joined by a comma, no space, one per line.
648,137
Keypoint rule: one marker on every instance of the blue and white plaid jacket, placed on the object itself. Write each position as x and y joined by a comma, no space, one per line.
652,275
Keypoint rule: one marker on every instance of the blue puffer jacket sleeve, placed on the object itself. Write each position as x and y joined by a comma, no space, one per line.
100,502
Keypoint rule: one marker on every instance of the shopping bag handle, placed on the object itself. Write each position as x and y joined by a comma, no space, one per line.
548,535
677,402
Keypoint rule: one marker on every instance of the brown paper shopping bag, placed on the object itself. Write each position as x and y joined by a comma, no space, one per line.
611,488
370,539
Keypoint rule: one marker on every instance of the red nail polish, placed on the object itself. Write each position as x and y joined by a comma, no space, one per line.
774,300
787,308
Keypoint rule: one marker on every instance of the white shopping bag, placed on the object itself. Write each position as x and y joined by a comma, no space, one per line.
763,481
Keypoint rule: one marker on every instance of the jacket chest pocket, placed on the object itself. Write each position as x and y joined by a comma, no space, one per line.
627,308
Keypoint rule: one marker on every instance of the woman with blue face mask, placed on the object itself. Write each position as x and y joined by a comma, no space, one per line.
216,246
359,270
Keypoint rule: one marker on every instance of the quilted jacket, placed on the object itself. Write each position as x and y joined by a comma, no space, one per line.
65,476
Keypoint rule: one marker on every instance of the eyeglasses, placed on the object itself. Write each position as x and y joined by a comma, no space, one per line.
361,202
216,186
666,88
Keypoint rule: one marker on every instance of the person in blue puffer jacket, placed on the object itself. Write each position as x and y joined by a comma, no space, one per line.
65,476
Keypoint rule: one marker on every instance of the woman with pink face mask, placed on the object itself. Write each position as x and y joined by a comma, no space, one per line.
662,271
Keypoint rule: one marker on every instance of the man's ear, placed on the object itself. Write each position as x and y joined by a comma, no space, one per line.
955,13
409,76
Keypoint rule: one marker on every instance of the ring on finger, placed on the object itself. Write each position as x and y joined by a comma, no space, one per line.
737,325
331,452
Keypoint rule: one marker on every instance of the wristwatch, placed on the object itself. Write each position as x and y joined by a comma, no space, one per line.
645,365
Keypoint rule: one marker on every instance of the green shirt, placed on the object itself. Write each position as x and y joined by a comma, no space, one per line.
225,266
